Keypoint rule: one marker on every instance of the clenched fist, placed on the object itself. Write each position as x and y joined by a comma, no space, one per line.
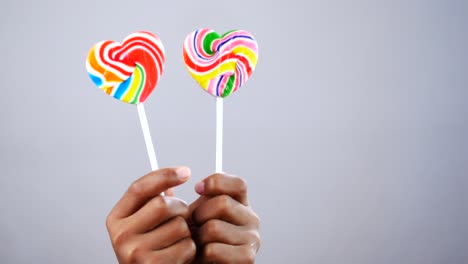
219,227
227,229
146,227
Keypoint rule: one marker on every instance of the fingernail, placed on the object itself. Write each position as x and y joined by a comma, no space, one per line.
200,187
183,173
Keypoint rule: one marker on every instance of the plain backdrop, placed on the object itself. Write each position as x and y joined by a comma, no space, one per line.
352,132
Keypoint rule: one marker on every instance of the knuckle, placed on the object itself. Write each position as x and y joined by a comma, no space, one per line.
250,259
214,182
179,222
189,244
190,249
209,252
120,238
257,238
160,201
181,226
248,254
134,255
109,222
254,238
255,219
242,185
137,189
160,204
223,202
213,228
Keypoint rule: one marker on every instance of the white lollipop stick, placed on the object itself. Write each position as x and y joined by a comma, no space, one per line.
147,136
219,134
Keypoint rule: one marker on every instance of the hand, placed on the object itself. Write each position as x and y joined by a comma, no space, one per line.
226,228
146,227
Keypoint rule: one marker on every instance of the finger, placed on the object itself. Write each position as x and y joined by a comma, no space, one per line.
147,187
219,183
223,232
155,212
192,207
169,192
195,204
168,234
221,253
225,208
182,252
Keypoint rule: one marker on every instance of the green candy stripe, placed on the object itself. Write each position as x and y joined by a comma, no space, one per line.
210,37
140,88
229,85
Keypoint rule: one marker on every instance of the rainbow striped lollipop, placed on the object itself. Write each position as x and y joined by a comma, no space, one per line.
129,72
221,64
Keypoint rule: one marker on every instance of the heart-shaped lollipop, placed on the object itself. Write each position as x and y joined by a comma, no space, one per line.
128,71
220,63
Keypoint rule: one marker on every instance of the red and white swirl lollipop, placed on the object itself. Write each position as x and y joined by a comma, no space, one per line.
129,71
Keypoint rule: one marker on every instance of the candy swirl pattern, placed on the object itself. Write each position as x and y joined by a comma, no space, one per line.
220,64
129,71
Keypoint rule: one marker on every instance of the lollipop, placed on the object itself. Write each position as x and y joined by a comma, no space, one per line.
129,72
220,64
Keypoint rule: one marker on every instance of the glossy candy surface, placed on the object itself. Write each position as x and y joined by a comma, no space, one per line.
220,64
129,71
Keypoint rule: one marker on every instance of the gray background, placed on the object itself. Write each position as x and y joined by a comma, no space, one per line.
352,132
